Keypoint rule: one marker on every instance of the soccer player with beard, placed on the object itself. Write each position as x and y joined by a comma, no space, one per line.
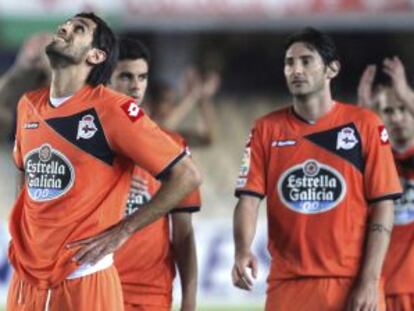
329,206
77,143
147,281
394,103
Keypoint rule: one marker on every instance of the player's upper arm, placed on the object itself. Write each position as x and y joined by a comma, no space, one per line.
252,174
134,135
381,179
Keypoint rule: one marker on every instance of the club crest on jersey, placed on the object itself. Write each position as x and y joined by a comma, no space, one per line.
86,127
48,173
311,187
404,206
383,134
346,139
132,110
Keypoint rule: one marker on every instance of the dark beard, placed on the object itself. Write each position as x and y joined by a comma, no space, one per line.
57,58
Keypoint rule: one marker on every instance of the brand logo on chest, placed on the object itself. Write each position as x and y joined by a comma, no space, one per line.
311,187
49,174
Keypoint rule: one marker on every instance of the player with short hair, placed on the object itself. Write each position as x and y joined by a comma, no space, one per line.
329,207
147,282
393,101
77,143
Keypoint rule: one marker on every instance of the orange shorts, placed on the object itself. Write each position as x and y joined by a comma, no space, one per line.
100,291
133,307
311,294
400,302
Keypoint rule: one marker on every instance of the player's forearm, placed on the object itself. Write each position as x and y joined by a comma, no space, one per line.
244,223
378,237
182,179
185,257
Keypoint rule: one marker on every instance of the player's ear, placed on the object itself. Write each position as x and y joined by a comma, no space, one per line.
95,56
333,69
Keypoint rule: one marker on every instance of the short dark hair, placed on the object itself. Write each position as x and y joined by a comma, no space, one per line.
105,40
133,49
316,40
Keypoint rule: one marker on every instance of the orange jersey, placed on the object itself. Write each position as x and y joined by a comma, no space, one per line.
145,263
319,179
399,263
78,160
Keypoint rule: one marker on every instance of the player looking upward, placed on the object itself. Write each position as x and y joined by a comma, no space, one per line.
76,145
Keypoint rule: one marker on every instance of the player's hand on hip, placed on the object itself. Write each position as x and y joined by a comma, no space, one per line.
364,297
93,249
240,275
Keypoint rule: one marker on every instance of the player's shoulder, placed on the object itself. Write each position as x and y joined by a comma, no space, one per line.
110,97
35,96
178,138
357,113
273,118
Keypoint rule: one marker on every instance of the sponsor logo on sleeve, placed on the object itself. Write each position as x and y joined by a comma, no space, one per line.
86,127
244,168
132,110
383,135
49,174
346,139
311,188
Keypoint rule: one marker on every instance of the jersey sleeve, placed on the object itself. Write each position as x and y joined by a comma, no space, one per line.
381,179
134,135
252,176
192,202
17,154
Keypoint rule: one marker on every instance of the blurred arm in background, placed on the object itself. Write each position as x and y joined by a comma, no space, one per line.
198,93
30,71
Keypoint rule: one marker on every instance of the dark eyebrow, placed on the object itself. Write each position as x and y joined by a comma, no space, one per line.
83,22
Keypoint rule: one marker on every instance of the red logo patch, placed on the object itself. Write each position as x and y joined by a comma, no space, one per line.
132,110
383,134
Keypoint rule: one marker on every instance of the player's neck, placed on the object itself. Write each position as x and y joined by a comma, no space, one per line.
67,81
314,106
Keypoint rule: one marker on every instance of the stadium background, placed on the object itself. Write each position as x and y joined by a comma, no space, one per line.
243,40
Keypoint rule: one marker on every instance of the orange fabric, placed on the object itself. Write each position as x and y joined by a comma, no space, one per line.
100,291
401,302
311,294
399,263
318,178
145,263
131,307
78,160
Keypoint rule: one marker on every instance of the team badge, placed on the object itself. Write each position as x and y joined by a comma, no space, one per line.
311,188
49,174
383,134
346,139
86,127
132,110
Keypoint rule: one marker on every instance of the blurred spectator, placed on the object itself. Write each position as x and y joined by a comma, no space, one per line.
169,109
30,71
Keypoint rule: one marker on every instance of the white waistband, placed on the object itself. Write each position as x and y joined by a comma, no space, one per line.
87,269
